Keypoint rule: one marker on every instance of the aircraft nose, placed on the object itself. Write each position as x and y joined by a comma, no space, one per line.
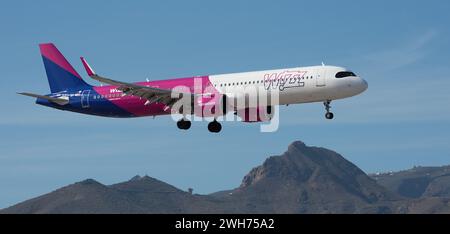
360,85
364,85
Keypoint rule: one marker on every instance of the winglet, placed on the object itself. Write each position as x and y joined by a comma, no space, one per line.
88,68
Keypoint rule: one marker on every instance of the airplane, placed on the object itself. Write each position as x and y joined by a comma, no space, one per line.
120,99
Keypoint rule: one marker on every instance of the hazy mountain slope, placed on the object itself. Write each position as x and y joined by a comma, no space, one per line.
418,182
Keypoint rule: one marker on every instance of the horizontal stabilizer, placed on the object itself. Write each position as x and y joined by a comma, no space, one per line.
59,100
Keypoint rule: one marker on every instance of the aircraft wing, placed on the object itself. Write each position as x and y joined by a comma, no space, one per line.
152,94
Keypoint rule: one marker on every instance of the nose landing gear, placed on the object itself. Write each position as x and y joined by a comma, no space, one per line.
328,115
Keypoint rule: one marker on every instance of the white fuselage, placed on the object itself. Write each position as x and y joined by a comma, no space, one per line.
295,85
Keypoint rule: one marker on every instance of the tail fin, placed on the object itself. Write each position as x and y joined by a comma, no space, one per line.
61,75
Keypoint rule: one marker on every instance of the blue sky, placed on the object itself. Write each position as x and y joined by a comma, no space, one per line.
399,47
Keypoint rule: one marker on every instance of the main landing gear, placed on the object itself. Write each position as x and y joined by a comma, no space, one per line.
214,126
328,115
184,124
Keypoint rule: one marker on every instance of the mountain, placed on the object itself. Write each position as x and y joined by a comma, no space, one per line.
417,182
304,179
88,196
309,180
426,188
138,195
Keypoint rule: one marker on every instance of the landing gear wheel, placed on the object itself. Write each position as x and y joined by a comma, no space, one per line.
214,126
329,115
184,124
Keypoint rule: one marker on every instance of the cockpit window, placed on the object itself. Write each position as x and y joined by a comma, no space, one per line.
344,74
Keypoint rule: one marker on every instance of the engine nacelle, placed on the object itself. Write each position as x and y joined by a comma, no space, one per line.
213,105
258,114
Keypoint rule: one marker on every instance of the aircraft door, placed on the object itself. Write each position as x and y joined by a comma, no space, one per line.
85,98
321,77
